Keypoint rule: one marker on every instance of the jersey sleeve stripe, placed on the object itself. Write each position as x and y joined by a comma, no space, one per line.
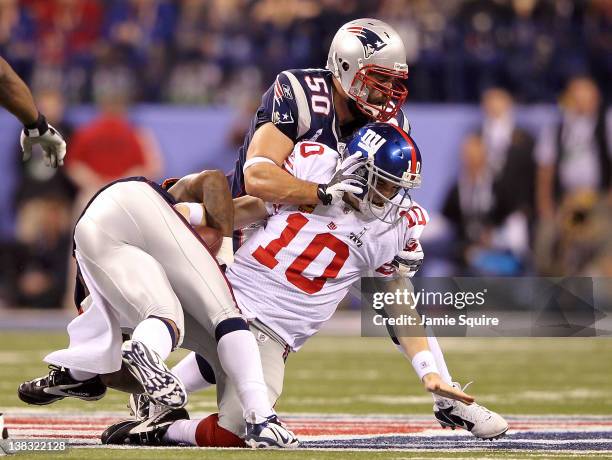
304,118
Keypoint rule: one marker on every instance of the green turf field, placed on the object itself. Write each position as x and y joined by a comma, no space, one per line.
368,376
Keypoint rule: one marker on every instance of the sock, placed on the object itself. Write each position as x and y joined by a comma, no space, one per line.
226,251
190,373
435,349
183,431
154,334
81,376
210,434
239,356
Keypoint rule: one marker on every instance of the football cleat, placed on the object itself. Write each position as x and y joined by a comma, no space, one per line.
139,404
477,419
269,434
161,385
147,432
59,384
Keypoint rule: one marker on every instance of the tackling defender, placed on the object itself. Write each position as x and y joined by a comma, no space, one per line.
363,82
290,275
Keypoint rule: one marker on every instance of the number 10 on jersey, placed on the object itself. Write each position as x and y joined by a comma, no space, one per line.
294,273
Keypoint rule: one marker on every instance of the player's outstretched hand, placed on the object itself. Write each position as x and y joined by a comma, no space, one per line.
49,139
434,384
344,180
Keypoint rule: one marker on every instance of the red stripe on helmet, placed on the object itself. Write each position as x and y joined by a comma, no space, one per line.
413,163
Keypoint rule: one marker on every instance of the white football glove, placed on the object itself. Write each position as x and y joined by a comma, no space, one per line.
344,180
49,139
408,261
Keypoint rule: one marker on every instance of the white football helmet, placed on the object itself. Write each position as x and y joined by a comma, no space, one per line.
368,57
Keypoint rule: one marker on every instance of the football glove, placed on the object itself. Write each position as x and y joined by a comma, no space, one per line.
408,261
344,180
49,139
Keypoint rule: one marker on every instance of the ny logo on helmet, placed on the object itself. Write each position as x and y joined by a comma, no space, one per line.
370,40
371,142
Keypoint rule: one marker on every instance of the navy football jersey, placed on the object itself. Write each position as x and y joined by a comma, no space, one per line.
300,104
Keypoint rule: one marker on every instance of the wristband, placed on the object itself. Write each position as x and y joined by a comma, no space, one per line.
38,128
322,194
196,213
424,363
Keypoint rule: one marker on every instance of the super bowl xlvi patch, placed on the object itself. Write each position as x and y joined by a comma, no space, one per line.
356,237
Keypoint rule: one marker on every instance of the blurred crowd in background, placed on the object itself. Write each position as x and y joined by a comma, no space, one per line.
211,51
524,203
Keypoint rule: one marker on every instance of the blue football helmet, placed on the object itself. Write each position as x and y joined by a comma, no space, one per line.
393,161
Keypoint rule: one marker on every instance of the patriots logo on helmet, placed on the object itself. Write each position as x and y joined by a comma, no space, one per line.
370,40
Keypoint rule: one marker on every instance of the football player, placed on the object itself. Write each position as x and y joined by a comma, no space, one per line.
363,81
15,97
143,268
290,275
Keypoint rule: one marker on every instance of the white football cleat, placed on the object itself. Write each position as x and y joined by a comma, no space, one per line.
158,382
269,434
477,419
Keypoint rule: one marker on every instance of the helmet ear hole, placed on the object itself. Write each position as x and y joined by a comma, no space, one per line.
345,66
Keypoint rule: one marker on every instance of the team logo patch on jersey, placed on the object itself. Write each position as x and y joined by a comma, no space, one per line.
356,237
281,118
371,41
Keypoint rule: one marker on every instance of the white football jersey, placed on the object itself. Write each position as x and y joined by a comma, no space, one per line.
292,273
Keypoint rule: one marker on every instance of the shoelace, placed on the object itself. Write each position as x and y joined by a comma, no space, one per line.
53,372
466,385
483,409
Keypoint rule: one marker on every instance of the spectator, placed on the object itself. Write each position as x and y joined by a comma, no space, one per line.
580,243
17,34
486,245
110,147
141,32
510,155
41,264
574,154
35,263
67,37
